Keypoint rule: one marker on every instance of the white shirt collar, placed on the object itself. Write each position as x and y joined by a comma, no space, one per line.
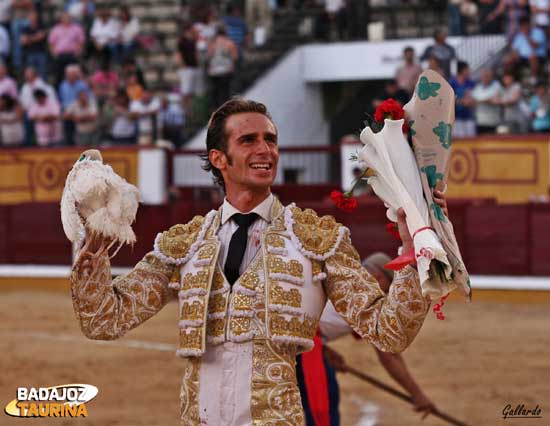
263,209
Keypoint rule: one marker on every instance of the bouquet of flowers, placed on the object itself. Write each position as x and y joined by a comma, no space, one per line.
404,177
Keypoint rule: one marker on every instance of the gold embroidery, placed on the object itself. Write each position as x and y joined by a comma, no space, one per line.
316,267
198,280
176,276
191,338
277,265
242,302
175,242
217,303
215,327
239,325
275,240
249,280
294,327
279,296
389,322
192,311
217,281
317,235
206,252
189,393
275,397
108,308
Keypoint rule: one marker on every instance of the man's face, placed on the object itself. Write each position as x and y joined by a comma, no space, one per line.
252,152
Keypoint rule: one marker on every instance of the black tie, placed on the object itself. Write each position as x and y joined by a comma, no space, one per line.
237,245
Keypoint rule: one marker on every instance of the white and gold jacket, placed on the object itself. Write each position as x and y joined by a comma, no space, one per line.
275,305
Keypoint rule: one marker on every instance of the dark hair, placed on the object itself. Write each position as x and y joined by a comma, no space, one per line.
9,102
408,49
39,93
461,66
216,137
524,20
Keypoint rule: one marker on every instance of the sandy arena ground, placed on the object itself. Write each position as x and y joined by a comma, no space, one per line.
493,352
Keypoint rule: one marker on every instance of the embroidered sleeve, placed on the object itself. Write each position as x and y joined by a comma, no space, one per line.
391,321
106,308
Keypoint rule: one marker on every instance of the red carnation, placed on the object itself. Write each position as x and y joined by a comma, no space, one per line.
343,201
393,230
392,110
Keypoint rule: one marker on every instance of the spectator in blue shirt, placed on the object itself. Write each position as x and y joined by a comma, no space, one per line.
528,48
69,89
539,105
462,84
235,27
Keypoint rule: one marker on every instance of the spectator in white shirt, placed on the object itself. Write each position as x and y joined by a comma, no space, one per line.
4,44
83,112
540,12
105,35
26,98
129,32
487,94
145,111
5,13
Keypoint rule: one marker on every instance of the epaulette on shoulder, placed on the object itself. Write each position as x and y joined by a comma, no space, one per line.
180,242
316,237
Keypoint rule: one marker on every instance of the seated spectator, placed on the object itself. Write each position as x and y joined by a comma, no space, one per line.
515,10
26,98
528,48
105,35
222,56
408,73
7,84
4,45
104,83
145,111
33,41
172,119
462,84
68,93
540,12
5,13
11,122
130,67
82,11
391,90
66,42
487,94
129,32
539,105
191,78
46,114
133,88
442,51
83,112
510,102
123,129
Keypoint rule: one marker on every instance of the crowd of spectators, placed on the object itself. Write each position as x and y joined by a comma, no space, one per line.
79,83
511,97
76,81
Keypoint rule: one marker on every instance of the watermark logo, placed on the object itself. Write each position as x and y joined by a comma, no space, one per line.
521,412
56,401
